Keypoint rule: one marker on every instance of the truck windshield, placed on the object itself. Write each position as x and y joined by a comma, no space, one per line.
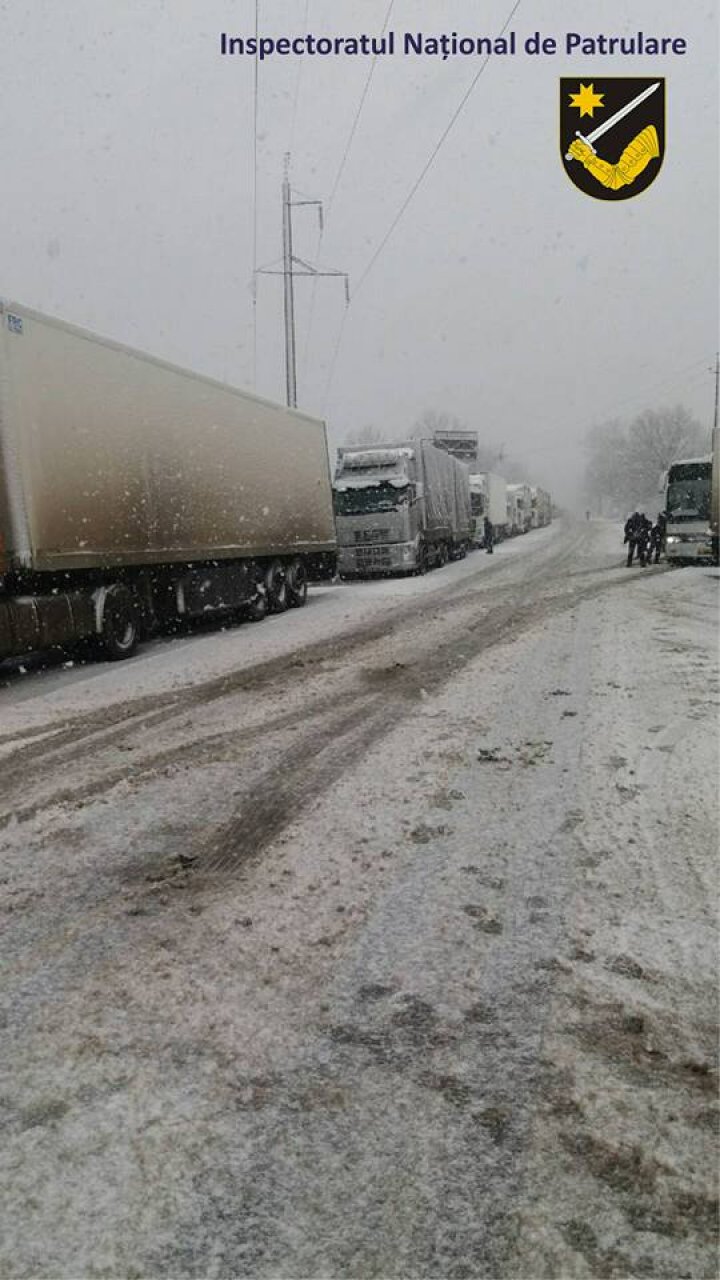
688,492
366,501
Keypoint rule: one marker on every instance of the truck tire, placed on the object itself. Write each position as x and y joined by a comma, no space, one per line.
119,630
276,587
296,582
423,563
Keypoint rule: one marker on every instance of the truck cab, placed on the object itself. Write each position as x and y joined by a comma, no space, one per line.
376,497
399,508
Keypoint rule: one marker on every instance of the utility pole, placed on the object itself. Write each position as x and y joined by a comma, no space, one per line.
715,475
290,363
290,264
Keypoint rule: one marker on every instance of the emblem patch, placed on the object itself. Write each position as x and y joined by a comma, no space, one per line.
612,133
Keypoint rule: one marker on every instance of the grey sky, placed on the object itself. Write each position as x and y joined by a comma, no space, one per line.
505,296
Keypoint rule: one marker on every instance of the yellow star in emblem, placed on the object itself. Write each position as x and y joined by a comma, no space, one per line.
586,100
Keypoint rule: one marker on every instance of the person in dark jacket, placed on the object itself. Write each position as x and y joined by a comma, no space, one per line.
657,538
488,535
637,529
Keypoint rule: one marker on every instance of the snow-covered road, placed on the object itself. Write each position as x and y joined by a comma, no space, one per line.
376,940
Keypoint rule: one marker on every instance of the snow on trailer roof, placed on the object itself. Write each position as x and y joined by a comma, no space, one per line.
361,459
365,480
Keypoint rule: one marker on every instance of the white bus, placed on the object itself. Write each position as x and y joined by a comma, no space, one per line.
687,505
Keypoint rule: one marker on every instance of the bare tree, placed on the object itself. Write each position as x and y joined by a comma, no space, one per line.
626,461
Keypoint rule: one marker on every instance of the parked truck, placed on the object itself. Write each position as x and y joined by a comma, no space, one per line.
520,498
488,496
461,444
541,507
400,508
134,493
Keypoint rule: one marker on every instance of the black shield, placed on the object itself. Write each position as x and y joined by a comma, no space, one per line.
626,158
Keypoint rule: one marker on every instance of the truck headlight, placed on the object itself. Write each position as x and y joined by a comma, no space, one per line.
672,539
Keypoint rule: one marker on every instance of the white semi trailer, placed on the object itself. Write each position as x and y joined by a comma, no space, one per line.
133,492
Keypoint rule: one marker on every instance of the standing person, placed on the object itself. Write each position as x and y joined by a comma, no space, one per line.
636,535
489,535
629,538
654,545
646,537
657,537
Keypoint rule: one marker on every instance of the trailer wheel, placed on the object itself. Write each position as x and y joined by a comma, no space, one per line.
119,631
297,584
276,587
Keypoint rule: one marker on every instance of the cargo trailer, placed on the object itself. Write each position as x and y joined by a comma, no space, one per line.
134,493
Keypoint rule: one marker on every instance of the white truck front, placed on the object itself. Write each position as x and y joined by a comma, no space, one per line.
378,496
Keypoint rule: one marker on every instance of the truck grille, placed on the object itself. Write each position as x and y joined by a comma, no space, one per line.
372,535
373,557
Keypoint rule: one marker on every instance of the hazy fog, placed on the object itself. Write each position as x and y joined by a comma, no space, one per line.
505,295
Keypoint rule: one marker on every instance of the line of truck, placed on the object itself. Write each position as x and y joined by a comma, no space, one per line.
410,506
135,495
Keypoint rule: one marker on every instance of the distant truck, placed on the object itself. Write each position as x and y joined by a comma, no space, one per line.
687,486
520,498
541,507
134,493
461,444
488,496
400,508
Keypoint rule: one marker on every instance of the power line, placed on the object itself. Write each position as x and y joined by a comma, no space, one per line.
333,360
414,188
336,183
358,113
431,159
665,384
301,63
691,378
